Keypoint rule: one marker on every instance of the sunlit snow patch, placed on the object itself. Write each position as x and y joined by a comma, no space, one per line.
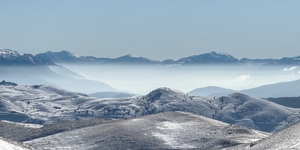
169,136
4,145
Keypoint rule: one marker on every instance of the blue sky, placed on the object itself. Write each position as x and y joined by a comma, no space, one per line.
158,29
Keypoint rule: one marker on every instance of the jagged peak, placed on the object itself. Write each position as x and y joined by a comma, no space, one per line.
8,83
8,52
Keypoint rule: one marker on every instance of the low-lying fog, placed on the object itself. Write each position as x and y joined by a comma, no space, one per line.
142,79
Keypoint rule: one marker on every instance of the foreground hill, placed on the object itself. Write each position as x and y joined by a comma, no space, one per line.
23,131
169,130
286,139
44,104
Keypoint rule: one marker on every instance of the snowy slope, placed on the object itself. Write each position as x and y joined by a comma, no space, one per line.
34,104
286,139
6,144
43,104
170,130
23,132
13,130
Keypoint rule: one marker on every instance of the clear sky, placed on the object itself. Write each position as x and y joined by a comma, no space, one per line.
158,29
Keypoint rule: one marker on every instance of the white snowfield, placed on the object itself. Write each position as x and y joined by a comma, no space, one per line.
7,146
44,104
12,145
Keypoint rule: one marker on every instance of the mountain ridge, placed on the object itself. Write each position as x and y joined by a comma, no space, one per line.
50,58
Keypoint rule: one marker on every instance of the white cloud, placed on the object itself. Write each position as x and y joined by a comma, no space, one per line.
243,77
290,69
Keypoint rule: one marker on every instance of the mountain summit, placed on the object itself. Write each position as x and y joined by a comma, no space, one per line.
7,53
208,58
10,57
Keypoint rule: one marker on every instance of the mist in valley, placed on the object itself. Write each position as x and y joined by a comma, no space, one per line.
142,79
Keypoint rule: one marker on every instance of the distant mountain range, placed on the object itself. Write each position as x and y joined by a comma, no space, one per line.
202,59
9,57
211,91
282,89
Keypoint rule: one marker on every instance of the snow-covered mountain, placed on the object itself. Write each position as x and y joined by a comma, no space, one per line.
169,130
71,58
208,58
132,59
7,53
9,57
68,57
43,104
